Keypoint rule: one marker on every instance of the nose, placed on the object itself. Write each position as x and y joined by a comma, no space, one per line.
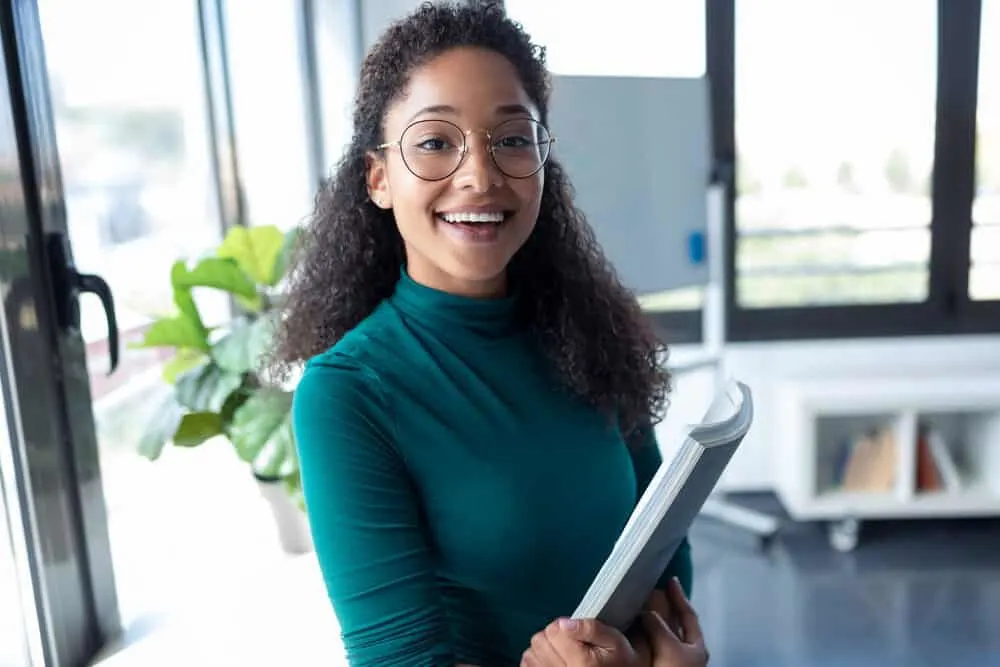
478,172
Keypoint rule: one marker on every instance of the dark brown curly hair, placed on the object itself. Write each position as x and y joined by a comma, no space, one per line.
592,330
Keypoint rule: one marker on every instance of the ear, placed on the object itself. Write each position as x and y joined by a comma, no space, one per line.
377,178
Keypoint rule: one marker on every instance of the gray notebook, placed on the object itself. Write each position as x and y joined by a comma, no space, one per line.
664,513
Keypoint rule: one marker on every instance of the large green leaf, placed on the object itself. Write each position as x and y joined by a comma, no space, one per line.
206,388
182,295
288,247
197,427
233,403
255,250
243,347
183,361
261,432
220,273
161,424
179,331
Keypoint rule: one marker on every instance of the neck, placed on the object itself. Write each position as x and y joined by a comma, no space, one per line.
489,288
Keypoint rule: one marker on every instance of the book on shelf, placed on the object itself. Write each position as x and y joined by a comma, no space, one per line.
665,511
936,468
870,462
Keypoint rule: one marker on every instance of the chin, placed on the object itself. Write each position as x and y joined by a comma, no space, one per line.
478,277
481,272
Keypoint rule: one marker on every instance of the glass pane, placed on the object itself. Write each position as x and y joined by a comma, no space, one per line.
984,281
269,112
984,275
16,597
13,647
835,105
637,37
685,298
333,26
131,122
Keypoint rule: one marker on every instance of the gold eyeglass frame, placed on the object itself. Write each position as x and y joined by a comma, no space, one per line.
465,147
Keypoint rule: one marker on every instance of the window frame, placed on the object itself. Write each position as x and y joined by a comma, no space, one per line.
948,308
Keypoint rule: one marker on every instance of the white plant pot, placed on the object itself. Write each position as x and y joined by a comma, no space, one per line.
291,522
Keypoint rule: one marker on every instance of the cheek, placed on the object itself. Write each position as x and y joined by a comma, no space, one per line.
529,193
411,196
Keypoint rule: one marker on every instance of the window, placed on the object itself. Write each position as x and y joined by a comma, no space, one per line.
637,39
336,48
134,149
834,114
13,635
984,272
269,112
846,139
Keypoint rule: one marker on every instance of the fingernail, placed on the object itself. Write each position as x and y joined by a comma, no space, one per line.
567,624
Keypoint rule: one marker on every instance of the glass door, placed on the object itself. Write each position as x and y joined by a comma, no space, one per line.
136,95
65,591
131,119
13,633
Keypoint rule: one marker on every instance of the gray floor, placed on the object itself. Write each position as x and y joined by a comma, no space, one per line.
913,594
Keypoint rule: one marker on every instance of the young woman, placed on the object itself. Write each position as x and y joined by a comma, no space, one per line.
475,420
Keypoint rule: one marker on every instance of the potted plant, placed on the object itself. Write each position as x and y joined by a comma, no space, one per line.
217,374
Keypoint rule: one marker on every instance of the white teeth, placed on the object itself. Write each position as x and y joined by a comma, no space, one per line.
473,217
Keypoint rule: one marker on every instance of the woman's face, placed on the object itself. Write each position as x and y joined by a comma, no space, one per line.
459,231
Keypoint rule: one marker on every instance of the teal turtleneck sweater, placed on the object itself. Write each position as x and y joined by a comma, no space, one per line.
459,498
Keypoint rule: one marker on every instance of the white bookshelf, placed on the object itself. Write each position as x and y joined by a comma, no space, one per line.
822,416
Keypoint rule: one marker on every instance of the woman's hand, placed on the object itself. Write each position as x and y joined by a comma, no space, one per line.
677,642
683,647
581,643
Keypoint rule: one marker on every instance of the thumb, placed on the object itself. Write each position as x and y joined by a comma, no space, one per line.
661,637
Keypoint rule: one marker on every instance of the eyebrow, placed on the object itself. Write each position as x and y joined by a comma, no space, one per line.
502,110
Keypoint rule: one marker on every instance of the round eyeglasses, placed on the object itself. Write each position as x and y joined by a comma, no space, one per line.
434,149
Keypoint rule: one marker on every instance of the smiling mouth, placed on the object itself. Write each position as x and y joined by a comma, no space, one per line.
495,218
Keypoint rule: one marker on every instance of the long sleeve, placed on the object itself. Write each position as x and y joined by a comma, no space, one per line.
365,520
646,459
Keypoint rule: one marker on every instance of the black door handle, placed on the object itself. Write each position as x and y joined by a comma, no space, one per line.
69,284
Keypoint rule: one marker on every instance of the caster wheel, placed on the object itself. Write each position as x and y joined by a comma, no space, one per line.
844,534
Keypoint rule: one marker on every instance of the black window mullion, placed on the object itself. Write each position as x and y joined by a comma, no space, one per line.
720,67
954,155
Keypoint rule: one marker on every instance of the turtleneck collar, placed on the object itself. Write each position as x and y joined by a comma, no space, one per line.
452,313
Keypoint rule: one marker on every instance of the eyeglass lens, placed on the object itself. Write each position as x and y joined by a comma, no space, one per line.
433,149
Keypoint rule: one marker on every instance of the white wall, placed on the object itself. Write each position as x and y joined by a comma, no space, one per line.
764,365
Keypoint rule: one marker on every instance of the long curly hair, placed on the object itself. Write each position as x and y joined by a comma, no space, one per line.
590,328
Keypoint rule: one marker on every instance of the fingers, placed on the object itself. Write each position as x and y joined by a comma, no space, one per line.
542,653
566,639
686,614
662,638
659,603
587,631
